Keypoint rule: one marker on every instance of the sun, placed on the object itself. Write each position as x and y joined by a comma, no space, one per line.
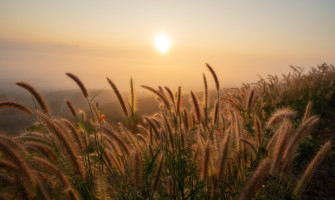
162,43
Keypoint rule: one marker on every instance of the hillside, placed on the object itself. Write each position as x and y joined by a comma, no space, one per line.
268,140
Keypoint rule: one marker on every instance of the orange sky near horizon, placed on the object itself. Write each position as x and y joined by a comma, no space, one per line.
40,41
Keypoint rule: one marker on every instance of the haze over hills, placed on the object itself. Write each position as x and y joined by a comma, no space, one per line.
12,121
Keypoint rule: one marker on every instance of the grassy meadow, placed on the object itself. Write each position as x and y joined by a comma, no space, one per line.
259,141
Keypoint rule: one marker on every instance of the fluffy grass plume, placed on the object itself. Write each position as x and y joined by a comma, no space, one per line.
283,138
44,164
250,98
79,83
205,97
141,138
137,169
40,100
132,97
178,100
75,132
158,172
16,106
119,97
144,130
250,144
4,164
43,149
258,132
185,119
216,112
71,107
14,144
303,130
60,135
224,156
307,175
23,169
161,90
279,115
108,129
170,94
196,106
217,85
205,161
255,180
152,127
160,95
101,185
307,111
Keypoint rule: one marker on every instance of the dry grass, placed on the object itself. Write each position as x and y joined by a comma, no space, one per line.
175,153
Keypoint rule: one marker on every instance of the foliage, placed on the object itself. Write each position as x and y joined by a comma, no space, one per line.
242,147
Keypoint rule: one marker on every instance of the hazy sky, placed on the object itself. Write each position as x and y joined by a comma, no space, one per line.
41,40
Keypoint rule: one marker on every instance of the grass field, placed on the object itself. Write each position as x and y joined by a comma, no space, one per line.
261,141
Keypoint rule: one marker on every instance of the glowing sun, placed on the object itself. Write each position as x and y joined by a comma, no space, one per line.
162,43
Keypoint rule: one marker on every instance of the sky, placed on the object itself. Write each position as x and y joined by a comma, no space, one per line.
42,40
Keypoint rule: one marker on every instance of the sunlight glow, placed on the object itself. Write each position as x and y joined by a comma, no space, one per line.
162,43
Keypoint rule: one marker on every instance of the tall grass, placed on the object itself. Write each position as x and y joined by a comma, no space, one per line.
175,153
